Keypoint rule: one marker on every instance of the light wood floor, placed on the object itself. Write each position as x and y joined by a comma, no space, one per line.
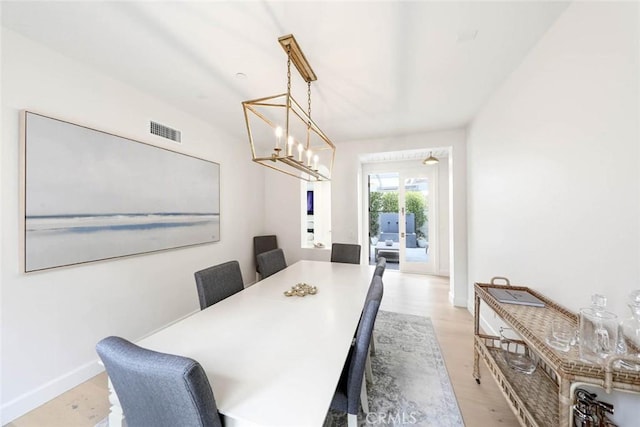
481,405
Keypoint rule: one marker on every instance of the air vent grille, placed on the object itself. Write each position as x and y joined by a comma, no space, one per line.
165,131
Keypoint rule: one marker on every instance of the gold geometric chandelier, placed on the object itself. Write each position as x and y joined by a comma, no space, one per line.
282,134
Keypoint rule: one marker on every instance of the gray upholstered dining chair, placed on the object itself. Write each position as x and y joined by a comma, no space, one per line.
158,389
376,290
381,265
218,282
351,390
345,252
271,262
263,244
376,283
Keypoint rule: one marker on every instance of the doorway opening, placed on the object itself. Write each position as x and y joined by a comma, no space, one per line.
402,211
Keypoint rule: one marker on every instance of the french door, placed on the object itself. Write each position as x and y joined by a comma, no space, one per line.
402,215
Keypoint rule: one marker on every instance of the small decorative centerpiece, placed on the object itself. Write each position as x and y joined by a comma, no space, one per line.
301,290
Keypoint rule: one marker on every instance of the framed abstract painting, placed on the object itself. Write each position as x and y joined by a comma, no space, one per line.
91,195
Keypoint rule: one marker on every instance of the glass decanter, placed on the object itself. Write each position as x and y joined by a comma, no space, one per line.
630,329
598,331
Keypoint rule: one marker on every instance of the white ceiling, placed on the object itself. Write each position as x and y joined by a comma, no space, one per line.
384,68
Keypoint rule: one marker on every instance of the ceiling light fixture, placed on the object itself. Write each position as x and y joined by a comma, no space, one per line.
430,160
285,138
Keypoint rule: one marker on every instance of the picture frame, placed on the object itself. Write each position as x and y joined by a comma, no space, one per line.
91,195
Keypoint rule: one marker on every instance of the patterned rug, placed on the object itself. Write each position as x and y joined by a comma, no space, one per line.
411,385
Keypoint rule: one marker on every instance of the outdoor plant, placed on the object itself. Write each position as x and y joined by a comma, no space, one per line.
390,201
416,204
375,207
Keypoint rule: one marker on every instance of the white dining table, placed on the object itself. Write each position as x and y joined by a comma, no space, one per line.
274,360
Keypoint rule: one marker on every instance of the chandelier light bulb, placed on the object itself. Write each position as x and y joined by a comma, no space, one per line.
278,137
290,146
315,162
300,150
309,154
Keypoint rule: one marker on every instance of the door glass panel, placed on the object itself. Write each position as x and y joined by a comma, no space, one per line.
417,225
384,218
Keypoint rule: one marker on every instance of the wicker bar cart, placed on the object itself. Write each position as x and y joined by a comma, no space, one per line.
542,398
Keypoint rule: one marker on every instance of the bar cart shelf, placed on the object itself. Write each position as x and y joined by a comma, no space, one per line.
544,397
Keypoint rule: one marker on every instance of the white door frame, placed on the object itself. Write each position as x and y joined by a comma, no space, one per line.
407,169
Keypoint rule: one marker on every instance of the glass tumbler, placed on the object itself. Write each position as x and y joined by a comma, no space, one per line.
561,334
517,355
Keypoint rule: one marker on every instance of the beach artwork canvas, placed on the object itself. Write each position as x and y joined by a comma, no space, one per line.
90,195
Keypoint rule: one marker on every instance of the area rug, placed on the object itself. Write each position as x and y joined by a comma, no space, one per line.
411,386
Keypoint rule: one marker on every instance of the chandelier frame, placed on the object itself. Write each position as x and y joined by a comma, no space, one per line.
316,142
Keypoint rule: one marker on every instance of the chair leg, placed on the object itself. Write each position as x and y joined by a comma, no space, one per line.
352,420
368,372
364,399
372,345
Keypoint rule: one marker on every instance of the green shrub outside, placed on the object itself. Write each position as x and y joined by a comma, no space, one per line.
380,202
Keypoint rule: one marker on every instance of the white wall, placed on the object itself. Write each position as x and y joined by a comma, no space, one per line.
443,217
51,320
2,207
554,160
553,168
346,221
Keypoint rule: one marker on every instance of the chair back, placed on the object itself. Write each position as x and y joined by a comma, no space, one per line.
158,389
271,262
360,349
346,253
381,265
263,244
376,290
218,282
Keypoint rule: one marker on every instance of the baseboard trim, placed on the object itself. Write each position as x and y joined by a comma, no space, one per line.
29,401
457,302
50,390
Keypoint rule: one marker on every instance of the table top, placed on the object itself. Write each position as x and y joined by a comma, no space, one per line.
274,360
